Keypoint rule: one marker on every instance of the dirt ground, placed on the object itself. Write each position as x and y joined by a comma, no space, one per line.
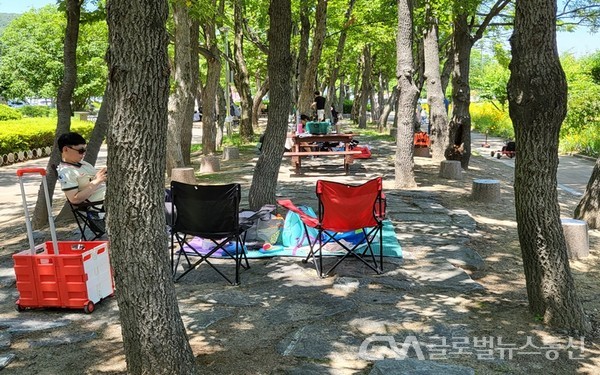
233,347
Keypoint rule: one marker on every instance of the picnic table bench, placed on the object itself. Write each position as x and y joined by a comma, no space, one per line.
301,141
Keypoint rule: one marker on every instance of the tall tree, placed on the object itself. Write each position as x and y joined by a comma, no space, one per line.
537,92
588,208
438,118
63,106
264,179
307,85
337,59
365,86
241,77
213,74
181,101
459,128
153,334
407,98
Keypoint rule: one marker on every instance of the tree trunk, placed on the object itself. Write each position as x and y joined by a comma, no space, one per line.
537,91
154,337
407,99
186,131
383,89
438,120
257,101
307,85
588,208
63,109
337,60
264,180
213,75
242,81
181,101
365,87
387,109
302,59
458,146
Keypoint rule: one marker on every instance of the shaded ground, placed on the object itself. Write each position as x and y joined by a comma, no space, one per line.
461,280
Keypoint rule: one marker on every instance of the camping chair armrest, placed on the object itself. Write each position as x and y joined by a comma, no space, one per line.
87,206
306,219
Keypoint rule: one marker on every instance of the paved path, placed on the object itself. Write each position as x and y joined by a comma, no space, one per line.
573,172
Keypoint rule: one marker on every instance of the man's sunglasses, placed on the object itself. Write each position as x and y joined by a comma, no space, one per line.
80,150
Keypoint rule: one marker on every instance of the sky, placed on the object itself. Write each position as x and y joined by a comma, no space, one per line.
579,43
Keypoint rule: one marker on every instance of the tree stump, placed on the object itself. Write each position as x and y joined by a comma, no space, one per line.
209,164
230,153
422,152
185,175
451,169
394,132
486,191
576,238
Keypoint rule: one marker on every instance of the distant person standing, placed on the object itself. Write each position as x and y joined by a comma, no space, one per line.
319,105
335,118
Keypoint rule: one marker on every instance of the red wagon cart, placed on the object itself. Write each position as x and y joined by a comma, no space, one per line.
61,274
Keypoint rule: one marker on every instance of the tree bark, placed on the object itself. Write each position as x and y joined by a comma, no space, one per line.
257,101
588,208
63,109
307,85
154,337
302,59
365,87
209,125
537,91
459,128
264,179
337,60
407,99
387,109
242,81
181,101
438,120
186,131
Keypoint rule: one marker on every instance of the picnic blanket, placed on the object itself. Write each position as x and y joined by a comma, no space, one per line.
391,247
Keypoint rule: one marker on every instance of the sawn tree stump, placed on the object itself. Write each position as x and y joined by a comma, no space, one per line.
486,191
230,153
185,175
209,164
576,238
451,169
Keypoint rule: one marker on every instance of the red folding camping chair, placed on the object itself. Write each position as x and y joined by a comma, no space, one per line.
345,208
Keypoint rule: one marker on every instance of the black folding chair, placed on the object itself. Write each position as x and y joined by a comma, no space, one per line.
90,215
210,212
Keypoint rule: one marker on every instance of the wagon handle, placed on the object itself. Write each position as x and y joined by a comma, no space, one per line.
42,172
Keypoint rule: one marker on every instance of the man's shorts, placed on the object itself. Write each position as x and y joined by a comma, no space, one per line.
321,114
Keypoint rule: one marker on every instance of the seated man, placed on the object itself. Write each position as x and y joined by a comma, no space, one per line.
79,179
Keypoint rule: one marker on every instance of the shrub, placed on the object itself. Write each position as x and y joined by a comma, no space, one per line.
35,111
490,119
348,105
8,113
30,133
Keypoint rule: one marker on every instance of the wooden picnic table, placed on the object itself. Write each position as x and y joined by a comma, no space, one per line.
300,141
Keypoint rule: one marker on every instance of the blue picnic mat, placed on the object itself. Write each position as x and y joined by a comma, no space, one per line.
391,247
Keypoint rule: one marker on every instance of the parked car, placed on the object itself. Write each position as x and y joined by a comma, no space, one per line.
16,103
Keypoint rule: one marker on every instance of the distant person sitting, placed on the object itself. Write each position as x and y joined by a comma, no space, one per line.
79,180
319,105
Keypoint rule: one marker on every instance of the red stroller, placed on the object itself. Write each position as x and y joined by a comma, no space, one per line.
509,149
